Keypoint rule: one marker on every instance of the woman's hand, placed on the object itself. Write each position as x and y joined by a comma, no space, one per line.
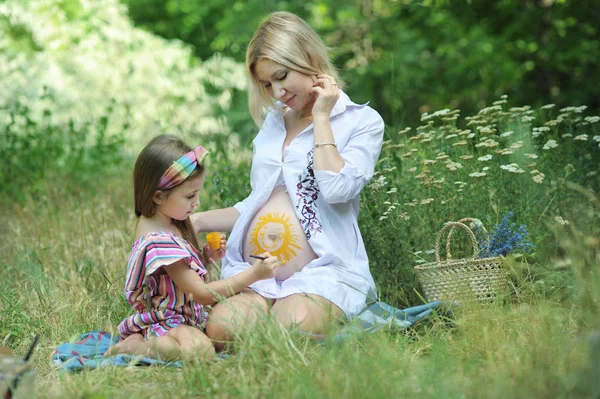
327,92
264,269
216,254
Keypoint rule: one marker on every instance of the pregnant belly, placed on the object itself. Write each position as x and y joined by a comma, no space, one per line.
276,229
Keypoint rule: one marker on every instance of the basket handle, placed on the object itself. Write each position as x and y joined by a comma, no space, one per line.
451,225
463,220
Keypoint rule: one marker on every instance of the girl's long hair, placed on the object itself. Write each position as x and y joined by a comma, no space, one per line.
149,167
287,40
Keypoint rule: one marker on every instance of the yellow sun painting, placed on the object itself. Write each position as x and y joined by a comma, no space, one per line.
275,234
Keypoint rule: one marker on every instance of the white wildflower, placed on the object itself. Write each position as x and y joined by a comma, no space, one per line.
382,218
426,201
550,144
506,134
490,110
486,130
566,135
592,119
513,168
516,145
465,157
487,143
453,166
486,168
539,178
378,183
392,191
413,169
485,158
596,139
561,221
548,106
477,174
581,137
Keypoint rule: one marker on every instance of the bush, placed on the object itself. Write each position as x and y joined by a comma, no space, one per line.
484,166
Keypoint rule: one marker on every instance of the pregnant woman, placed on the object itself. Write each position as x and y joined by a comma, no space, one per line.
314,153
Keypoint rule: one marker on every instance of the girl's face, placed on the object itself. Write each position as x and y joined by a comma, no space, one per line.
181,201
286,85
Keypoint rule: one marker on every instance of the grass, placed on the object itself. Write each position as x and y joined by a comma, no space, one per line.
62,266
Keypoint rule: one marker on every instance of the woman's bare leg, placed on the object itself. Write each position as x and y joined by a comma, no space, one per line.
310,313
234,315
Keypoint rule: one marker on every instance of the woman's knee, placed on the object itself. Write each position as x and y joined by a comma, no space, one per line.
310,313
228,317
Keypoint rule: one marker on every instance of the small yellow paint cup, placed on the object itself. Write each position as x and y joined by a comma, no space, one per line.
214,240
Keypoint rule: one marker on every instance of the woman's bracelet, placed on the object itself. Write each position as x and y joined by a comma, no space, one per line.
317,145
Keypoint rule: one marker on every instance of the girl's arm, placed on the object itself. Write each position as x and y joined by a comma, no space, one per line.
215,220
188,281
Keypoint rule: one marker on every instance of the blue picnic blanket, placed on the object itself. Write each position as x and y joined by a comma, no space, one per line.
87,352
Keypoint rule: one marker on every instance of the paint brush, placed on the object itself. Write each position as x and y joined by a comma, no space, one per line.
258,257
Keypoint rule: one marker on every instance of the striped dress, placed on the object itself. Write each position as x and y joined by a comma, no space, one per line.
159,304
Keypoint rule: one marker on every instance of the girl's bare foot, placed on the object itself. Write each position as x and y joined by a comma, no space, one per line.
128,345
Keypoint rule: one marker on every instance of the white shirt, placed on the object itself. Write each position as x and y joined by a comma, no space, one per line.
326,204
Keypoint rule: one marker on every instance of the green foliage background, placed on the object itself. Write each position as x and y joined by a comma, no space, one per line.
409,57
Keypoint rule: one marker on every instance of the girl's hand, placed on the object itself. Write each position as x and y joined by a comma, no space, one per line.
216,254
327,92
264,269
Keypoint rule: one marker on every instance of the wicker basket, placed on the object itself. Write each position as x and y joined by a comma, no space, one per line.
461,280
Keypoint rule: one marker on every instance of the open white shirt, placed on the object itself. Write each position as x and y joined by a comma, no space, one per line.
326,204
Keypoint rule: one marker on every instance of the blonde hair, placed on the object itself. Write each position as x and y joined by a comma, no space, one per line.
286,39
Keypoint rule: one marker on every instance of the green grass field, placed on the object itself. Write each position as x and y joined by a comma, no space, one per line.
63,257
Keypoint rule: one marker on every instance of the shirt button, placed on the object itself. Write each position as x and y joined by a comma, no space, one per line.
296,141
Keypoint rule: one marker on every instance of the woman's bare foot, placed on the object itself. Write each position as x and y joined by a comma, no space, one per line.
128,345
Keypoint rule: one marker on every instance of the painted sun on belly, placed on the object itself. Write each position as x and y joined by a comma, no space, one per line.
274,233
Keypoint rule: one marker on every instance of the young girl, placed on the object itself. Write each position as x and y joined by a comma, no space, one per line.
165,283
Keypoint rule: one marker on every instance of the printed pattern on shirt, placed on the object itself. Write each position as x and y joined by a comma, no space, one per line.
307,192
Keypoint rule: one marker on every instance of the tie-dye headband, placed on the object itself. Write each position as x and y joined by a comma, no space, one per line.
182,168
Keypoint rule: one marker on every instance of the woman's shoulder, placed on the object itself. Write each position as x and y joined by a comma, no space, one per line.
361,113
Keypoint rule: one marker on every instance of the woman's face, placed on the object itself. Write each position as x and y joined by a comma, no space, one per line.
286,85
